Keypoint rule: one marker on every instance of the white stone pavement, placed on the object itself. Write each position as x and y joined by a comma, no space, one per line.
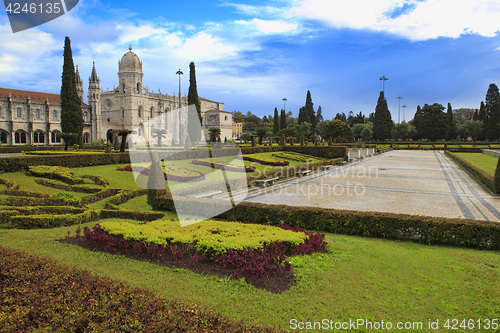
409,182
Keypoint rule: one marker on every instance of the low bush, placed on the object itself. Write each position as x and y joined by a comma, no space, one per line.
50,220
480,175
265,160
172,173
421,229
40,295
223,167
66,187
56,172
254,261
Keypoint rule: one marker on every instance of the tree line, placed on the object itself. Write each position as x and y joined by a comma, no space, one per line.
431,122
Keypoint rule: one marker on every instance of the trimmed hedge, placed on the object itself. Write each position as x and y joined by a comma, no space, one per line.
480,175
50,220
65,187
45,296
130,214
421,229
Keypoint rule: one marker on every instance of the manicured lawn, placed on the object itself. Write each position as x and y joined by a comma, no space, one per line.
367,278
484,162
360,278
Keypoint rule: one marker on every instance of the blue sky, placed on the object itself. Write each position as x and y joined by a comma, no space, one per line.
251,54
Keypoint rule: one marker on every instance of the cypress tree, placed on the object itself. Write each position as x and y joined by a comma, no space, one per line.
310,111
496,179
319,115
193,130
492,111
303,115
452,126
71,104
382,121
283,120
276,121
482,112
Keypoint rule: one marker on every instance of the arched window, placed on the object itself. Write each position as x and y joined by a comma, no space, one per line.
38,137
139,112
86,138
54,114
151,112
20,137
3,137
0,111
37,113
55,138
86,117
123,86
123,113
19,113
138,88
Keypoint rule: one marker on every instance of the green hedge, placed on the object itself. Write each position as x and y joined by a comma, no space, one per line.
480,175
130,214
50,220
66,187
421,229
123,197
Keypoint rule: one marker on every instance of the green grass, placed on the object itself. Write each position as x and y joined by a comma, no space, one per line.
487,163
360,278
366,278
28,183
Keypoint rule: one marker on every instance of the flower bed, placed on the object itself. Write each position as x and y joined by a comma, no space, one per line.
245,257
293,156
171,174
40,295
223,167
265,160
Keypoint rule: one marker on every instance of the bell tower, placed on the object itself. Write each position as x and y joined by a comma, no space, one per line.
94,97
130,73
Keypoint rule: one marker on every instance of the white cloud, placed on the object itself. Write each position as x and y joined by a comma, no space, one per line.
270,27
424,20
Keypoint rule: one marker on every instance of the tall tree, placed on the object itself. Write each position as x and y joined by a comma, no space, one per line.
382,122
194,131
303,115
71,104
319,115
434,124
283,124
492,111
309,107
276,121
417,122
452,125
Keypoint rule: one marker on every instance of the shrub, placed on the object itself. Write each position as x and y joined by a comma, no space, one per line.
59,298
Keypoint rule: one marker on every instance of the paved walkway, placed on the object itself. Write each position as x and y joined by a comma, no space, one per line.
410,182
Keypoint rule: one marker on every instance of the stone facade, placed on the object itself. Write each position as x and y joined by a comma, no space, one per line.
34,118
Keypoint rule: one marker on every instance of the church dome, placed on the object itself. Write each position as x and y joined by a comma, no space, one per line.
130,62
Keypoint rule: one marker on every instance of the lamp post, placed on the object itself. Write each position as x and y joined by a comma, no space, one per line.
383,79
404,108
284,104
399,110
179,72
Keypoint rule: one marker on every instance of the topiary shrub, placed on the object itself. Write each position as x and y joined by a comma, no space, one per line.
496,179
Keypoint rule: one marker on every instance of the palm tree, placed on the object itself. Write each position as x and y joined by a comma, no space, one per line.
123,133
214,133
159,134
261,133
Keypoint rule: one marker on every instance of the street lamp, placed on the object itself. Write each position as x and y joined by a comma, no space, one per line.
284,104
399,110
404,107
383,79
179,72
